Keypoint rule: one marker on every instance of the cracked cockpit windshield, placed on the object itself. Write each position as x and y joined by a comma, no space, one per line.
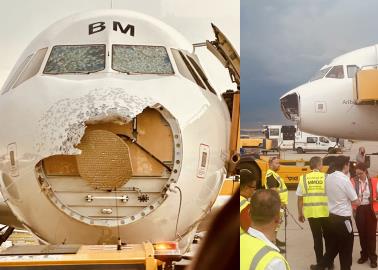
141,59
76,59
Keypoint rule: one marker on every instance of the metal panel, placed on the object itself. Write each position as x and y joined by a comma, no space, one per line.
366,86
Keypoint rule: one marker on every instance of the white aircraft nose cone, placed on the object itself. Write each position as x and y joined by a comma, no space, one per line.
290,105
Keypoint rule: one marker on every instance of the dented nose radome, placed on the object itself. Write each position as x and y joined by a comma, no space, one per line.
290,106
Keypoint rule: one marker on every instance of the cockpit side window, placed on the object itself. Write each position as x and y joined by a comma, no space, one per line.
185,68
337,72
141,59
32,68
320,74
17,73
76,59
352,70
201,73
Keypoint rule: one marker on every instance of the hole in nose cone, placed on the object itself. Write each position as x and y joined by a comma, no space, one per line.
290,106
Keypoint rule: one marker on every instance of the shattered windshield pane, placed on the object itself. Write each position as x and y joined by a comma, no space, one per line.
337,72
320,74
76,59
141,59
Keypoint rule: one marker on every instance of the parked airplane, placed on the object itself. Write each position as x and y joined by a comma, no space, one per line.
336,102
110,128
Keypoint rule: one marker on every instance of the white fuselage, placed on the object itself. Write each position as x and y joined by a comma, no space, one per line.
39,116
326,105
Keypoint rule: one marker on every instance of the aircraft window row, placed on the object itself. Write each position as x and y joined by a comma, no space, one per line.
337,72
141,59
76,59
131,59
352,70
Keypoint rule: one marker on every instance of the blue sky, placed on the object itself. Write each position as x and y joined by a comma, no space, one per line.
283,43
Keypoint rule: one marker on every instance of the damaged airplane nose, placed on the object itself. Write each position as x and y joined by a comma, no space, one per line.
116,155
98,148
290,106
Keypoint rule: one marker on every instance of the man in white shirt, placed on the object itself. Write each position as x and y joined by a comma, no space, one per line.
341,196
257,250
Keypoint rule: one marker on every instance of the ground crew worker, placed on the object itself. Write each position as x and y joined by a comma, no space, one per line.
341,195
275,182
248,182
313,205
366,221
256,248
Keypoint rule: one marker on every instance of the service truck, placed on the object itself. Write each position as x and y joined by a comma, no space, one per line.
289,137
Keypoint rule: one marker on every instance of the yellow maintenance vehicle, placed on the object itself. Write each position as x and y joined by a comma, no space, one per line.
260,144
58,257
290,170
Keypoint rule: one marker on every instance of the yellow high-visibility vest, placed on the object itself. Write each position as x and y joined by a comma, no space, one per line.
282,189
315,200
256,254
243,204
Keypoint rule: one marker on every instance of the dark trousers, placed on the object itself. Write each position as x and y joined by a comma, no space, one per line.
319,230
340,243
366,222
